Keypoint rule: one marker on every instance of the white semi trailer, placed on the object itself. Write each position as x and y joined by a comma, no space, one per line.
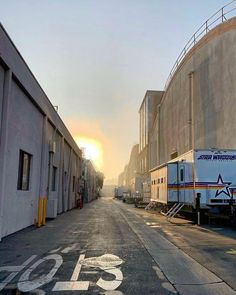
205,178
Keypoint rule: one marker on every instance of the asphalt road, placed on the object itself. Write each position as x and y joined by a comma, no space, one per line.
112,248
214,247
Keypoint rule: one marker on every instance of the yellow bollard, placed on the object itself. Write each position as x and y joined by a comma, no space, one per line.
39,223
44,210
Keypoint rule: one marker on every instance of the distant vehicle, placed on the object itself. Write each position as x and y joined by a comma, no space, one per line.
136,185
125,196
203,178
138,199
118,192
146,191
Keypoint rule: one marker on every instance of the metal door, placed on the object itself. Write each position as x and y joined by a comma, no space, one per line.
182,185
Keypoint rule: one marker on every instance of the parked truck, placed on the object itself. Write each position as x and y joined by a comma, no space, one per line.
203,178
119,191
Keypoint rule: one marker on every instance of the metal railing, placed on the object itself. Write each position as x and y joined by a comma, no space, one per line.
217,18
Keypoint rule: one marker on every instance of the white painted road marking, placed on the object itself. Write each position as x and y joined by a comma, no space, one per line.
73,284
111,285
25,285
68,249
106,262
14,271
55,250
77,269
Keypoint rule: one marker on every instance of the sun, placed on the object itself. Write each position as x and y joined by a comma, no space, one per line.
92,149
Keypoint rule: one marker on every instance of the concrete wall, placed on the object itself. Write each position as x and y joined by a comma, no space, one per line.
2,73
24,133
198,107
29,122
57,162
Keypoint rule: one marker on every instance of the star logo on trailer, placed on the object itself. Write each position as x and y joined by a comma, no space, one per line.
224,189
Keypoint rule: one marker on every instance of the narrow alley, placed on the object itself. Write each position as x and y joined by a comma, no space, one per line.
113,248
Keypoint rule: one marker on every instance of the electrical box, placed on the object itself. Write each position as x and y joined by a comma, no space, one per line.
52,147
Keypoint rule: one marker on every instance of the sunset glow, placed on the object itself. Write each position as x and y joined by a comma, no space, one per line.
92,149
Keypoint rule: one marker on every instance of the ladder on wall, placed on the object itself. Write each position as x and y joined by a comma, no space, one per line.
174,210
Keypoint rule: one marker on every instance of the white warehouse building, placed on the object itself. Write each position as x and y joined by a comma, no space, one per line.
38,156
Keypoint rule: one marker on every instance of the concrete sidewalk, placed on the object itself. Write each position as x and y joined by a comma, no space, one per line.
182,271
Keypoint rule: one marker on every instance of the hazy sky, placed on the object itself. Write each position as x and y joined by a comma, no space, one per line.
95,59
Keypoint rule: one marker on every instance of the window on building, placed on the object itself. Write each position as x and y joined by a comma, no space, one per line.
24,171
162,180
182,174
73,185
54,178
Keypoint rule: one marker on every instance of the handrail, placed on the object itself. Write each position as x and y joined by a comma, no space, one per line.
217,18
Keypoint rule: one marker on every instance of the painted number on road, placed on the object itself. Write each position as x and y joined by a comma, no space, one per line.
108,263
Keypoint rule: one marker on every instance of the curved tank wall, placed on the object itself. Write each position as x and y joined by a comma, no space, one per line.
198,109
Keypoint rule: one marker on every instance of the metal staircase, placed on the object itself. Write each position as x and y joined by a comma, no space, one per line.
174,210
151,205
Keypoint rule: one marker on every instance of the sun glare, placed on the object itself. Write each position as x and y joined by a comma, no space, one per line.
92,149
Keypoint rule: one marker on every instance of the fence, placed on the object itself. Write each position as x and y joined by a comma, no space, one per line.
217,18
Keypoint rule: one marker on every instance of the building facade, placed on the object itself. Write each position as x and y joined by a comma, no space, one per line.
129,177
121,179
196,110
198,106
148,139
89,175
147,115
38,156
